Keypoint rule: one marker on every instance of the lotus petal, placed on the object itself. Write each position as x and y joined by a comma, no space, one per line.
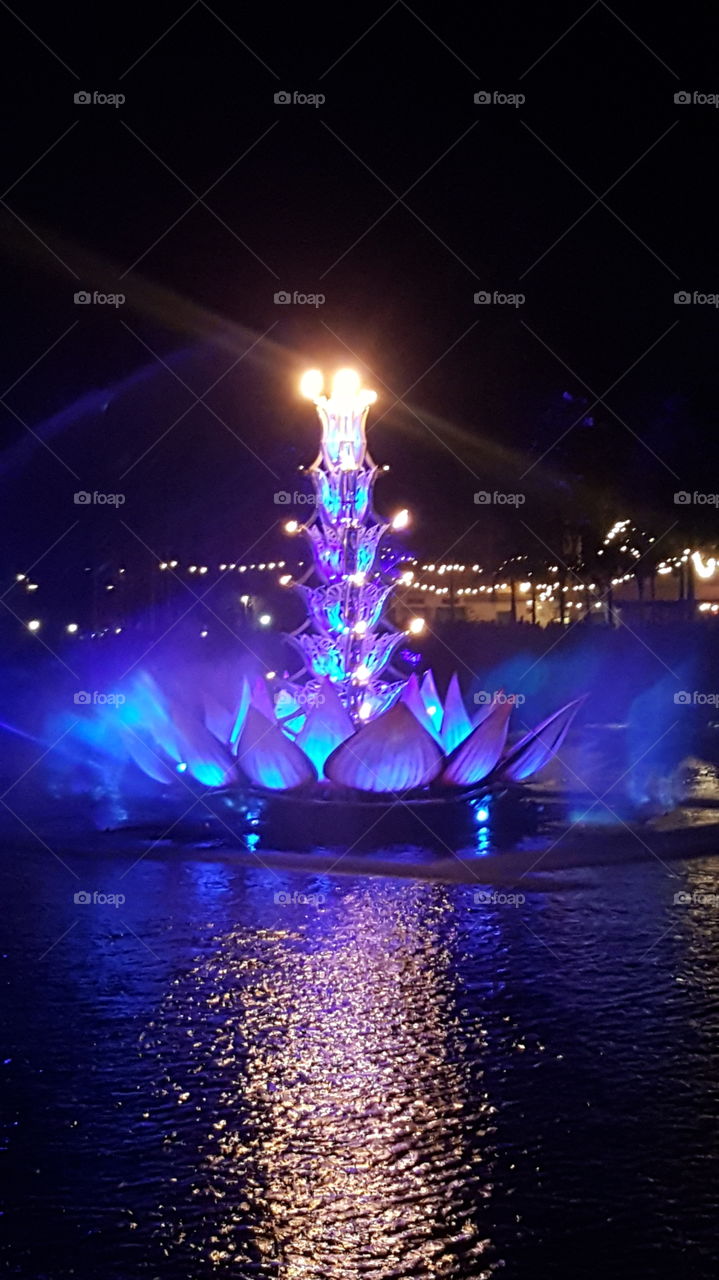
484,707
537,748
218,718
413,699
261,699
240,715
267,756
431,700
478,754
146,707
147,758
456,724
207,760
392,753
328,723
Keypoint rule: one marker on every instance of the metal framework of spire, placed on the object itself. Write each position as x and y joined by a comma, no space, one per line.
351,641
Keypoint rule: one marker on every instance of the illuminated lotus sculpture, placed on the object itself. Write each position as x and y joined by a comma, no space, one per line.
342,726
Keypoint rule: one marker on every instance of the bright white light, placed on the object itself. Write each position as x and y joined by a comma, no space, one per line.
265,619
31,586
407,578
358,578
345,384
365,711
286,579
524,586
416,626
164,564
291,526
270,675
34,624
244,600
704,569
19,577
362,673
71,628
401,520
311,384
360,628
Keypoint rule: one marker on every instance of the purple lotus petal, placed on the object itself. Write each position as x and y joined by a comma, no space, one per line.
268,758
413,699
392,753
537,748
328,723
456,724
477,756
261,699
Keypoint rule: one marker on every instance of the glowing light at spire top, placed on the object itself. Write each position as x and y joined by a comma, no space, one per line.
345,384
311,384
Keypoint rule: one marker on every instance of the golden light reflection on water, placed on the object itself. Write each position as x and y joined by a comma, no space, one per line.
334,1081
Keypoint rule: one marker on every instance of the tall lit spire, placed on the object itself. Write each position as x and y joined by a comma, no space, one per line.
351,641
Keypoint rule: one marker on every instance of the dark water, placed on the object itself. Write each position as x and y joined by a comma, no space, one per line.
390,1079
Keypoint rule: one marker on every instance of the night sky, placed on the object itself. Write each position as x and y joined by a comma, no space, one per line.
398,199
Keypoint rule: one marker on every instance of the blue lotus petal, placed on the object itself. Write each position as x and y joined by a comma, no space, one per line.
456,724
